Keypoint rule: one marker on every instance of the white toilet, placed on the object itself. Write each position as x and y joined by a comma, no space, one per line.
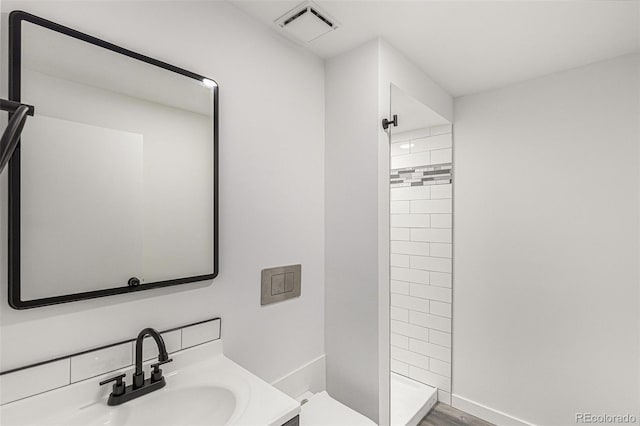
410,402
322,410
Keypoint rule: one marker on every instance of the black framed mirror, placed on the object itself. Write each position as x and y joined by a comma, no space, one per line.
113,187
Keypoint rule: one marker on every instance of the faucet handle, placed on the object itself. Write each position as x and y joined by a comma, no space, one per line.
157,365
119,385
117,379
156,374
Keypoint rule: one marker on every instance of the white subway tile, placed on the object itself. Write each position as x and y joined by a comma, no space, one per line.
409,275
440,156
399,314
96,363
409,302
440,250
400,148
200,333
400,341
444,397
410,220
440,338
430,350
441,294
440,308
399,287
410,330
441,191
400,260
431,143
430,321
437,264
410,135
439,130
400,207
418,318
411,193
440,367
400,234
431,235
34,380
409,357
411,160
440,279
172,340
409,247
441,221
399,367
429,378
431,206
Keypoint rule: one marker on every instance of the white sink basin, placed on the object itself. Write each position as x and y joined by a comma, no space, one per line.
199,405
203,388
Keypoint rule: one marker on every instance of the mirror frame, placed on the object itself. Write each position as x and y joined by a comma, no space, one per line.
15,27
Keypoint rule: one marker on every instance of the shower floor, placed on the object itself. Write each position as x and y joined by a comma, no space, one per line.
410,400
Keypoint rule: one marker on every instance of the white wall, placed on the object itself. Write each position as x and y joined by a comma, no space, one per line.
351,223
546,245
397,69
271,191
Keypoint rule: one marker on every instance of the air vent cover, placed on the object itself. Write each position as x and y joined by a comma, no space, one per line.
306,22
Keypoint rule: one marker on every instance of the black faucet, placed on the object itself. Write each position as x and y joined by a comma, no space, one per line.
121,392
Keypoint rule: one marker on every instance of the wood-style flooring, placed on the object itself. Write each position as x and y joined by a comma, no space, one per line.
446,415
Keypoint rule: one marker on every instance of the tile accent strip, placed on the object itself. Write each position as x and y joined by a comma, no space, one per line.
422,175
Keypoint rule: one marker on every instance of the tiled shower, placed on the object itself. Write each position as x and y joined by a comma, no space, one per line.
421,256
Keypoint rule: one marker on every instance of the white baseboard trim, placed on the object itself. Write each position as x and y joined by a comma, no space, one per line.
308,378
486,413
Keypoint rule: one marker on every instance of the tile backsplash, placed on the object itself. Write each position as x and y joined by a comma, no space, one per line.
99,362
24,382
421,256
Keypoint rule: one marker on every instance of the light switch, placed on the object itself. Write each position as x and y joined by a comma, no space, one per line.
280,283
277,284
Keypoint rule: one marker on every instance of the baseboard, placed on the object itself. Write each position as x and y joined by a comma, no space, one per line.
308,378
486,413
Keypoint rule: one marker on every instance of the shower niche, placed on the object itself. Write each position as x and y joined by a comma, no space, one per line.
113,186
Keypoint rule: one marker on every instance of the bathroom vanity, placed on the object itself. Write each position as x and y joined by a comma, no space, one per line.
204,387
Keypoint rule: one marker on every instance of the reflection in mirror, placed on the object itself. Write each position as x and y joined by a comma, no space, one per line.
116,171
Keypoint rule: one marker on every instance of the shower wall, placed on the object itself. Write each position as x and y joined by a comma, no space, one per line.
421,256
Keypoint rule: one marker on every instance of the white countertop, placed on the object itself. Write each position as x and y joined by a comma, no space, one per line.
203,387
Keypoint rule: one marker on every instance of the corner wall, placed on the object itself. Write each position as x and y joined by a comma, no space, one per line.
357,219
351,224
546,247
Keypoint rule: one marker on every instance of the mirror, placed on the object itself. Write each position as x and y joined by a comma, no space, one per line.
113,187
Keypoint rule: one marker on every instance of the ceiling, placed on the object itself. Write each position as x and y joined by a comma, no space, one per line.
471,46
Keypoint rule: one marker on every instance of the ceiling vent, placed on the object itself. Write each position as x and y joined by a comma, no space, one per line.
306,22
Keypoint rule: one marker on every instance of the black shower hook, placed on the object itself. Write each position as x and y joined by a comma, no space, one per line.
386,122
18,115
